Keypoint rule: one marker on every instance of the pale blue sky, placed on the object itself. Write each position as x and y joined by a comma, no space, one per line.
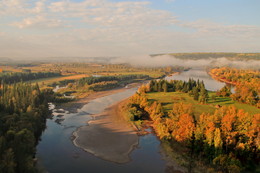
40,28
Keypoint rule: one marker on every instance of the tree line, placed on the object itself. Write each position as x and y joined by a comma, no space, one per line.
23,113
228,139
196,89
11,78
231,56
247,83
119,78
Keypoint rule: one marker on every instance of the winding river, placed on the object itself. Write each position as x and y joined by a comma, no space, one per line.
57,153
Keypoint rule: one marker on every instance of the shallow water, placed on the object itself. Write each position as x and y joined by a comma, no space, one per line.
56,152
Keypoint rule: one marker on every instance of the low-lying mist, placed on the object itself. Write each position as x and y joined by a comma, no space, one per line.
169,60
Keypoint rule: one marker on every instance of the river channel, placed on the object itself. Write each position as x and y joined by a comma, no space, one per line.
57,153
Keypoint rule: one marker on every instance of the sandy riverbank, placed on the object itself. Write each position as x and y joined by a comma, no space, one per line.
73,106
108,136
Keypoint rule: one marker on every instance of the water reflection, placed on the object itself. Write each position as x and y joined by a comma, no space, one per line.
57,153
210,84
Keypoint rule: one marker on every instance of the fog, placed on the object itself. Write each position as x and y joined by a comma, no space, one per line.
147,61
169,60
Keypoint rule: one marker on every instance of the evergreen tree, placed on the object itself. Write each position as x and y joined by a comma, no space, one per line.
152,83
155,87
165,87
22,119
8,164
203,98
195,92
159,86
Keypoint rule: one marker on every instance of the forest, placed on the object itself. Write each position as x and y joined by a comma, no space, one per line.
194,88
227,139
15,77
247,83
205,55
23,113
224,137
86,85
119,78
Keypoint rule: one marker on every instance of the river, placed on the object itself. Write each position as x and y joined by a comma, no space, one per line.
201,74
57,154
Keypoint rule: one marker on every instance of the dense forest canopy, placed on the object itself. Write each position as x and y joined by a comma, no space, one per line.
23,112
92,80
22,77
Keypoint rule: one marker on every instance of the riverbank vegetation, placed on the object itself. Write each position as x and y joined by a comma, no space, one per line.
71,74
224,137
103,69
206,55
247,83
23,113
15,77
119,75
78,80
196,89
87,85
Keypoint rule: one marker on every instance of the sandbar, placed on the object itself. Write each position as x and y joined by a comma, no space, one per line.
108,136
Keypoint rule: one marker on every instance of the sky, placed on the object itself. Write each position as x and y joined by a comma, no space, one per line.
108,28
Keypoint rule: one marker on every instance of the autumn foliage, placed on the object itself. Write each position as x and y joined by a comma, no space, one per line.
247,83
228,139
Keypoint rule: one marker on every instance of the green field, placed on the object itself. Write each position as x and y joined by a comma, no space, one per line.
167,99
227,101
50,80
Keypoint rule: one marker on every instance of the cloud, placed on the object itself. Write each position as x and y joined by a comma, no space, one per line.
95,13
21,7
217,29
109,28
39,22
114,14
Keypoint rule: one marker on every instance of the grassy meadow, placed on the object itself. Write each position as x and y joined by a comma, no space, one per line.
167,99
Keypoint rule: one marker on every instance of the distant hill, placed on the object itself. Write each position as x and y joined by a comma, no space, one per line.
234,56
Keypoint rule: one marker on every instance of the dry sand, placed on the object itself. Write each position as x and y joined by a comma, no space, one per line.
108,136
